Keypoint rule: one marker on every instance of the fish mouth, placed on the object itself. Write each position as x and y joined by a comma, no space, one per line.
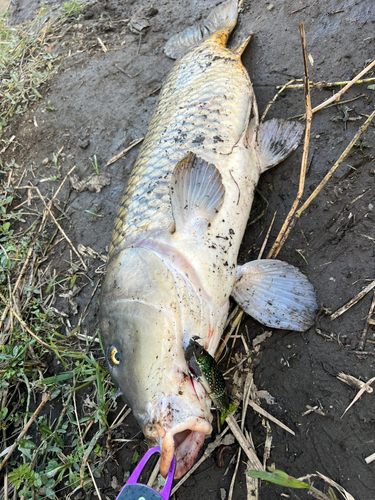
183,442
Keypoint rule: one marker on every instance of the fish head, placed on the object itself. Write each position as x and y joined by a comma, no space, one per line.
142,336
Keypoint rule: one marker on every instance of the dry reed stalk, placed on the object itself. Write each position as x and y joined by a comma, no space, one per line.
31,248
352,301
337,96
362,340
25,429
281,238
245,445
123,153
289,84
359,394
267,415
236,321
23,324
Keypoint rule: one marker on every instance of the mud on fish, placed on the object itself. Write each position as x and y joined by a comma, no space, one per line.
173,257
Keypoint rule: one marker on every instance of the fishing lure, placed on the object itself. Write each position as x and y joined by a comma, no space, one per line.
203,367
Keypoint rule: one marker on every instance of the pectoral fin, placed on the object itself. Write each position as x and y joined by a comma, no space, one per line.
277,139
276,294
197,193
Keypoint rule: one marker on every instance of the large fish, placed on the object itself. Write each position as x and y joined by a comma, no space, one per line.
173,257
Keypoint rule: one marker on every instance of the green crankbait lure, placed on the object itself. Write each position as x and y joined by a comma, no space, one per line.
203,367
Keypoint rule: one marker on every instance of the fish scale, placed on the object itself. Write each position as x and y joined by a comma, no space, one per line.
204,95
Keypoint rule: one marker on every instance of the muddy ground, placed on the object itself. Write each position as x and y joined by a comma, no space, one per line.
103,101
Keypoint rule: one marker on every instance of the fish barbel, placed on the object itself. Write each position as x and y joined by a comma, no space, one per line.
173,257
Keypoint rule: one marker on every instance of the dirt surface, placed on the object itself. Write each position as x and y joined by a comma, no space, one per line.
103,101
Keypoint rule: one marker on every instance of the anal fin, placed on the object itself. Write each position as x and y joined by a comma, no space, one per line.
240,47
276,294
197,194
277,139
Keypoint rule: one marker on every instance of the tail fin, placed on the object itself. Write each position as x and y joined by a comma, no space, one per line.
222,18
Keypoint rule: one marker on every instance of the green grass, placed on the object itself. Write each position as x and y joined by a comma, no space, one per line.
26,61
72,9
66,438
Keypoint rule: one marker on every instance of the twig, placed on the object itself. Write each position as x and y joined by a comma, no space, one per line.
21,321
89,302
273,419
123,153
238,434
267,443
93,480
88,427
25,429
122,71
118,416
362,353
154,473
320,85
31,248
104,48
283,234
233,343
267,236
251,483
8,144
320,495
82,472
336,165
232,315
150,93
246,396
274,99
353,382
343,492
231,487
362,340
327,178
122,419
245,358
352,301
6,486
263,211
61,229
337,96
235,322
359,394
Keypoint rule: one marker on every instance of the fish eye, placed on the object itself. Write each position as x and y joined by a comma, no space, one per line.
200,352
113,356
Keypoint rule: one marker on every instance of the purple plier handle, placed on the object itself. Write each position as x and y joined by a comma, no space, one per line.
133,479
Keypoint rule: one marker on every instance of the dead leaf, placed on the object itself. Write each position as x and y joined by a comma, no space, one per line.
138,22
94,183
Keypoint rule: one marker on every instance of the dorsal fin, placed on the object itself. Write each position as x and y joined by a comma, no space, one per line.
222,18
197,194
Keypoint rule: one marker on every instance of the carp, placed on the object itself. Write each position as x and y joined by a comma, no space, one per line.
172,263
